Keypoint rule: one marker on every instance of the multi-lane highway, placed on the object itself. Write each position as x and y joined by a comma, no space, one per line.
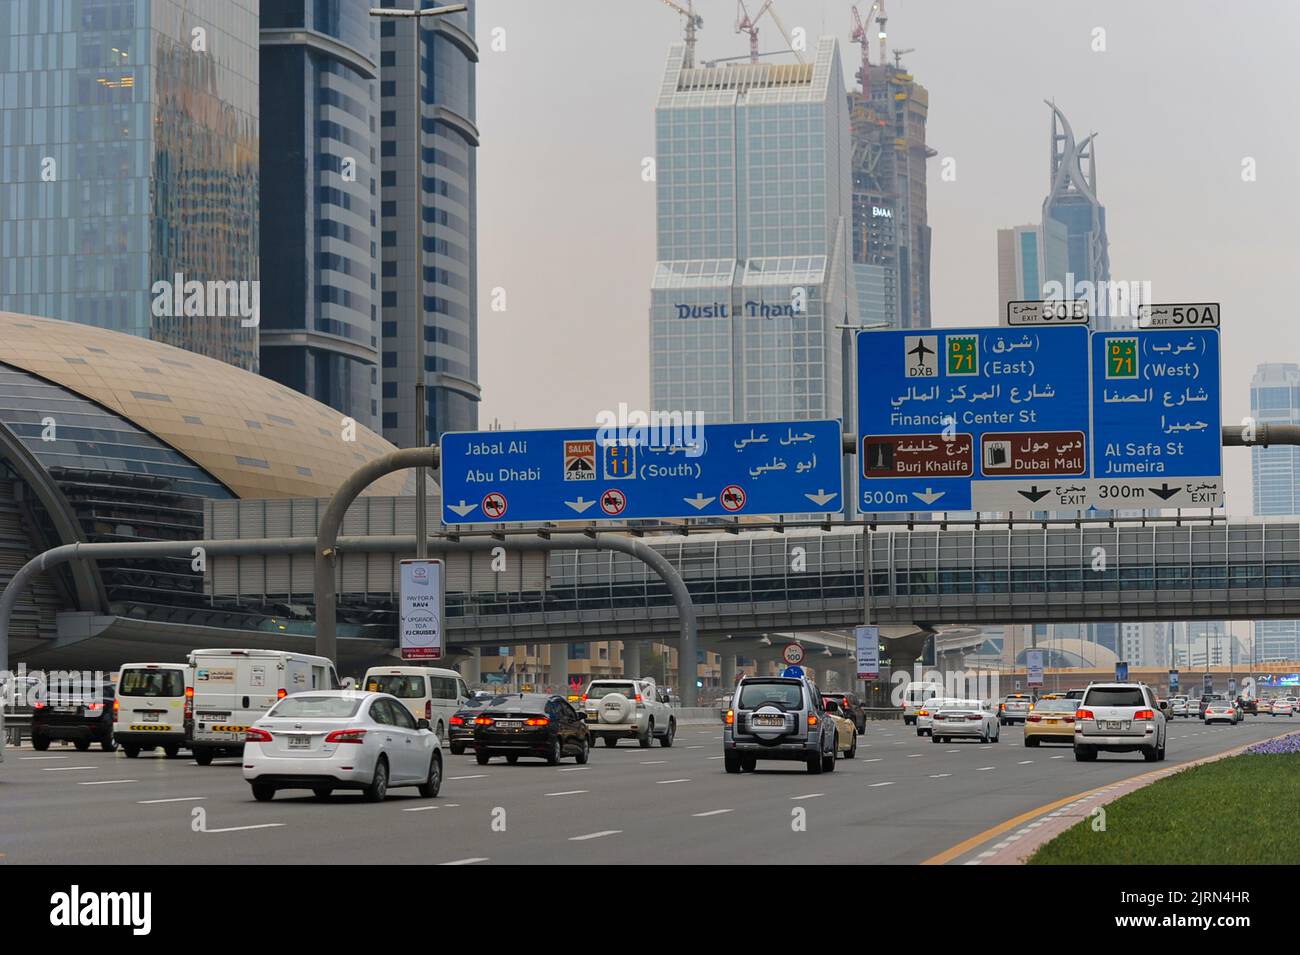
903,799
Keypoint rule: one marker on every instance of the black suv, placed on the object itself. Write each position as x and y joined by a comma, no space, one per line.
81,714
851,706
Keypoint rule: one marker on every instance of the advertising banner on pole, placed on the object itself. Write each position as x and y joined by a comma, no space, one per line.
868,652
1034,663
422,595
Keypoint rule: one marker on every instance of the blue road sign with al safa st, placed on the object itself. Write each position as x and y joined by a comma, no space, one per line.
1157,418
991,419
717,470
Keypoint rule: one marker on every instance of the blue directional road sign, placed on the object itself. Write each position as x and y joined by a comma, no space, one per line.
990,419
1157,418
788,467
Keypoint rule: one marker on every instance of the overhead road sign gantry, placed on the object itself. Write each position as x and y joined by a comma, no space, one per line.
566,474
989,419
1157,418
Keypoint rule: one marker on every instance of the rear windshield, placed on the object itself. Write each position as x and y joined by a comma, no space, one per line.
151,683
1115,696
402,687
597,690
1056,706
784,695
316,707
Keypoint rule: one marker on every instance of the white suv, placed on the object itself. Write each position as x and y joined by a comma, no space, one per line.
628,709
1119,718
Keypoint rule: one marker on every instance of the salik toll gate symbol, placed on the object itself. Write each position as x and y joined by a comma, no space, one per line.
494,505
579,460
613,502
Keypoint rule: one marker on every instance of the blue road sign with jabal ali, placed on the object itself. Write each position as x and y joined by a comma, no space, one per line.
992,419
1157,418
721,470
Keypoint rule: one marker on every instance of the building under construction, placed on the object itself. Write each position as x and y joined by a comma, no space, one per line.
891,231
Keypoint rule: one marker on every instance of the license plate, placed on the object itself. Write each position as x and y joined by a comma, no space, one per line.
299,742
64,709
1052,722
507,724
150,714
1114,724
769,721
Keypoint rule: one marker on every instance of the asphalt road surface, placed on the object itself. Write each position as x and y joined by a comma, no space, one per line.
902,800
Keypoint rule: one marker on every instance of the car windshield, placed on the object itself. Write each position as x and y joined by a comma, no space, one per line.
316,707
784,695
151,683
1115,696
597,690
1055,706
402,687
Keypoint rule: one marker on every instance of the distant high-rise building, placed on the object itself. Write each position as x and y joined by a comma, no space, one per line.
320,203
1072,201
129,158
1029,256
890,226
1275,485
428,222
754,258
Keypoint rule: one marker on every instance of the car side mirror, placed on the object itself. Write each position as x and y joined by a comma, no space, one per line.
421,724
581,715
348,683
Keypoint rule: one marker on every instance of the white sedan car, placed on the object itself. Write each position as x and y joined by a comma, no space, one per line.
1222,711
925,715
965,718
1282,706
341,739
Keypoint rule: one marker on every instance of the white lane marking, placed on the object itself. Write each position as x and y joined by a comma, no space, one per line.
940,775
984,769
43,757
874,785
66,769
711,812
265,825
568,792
571,769
470,861
1058,757
107,782
808,796
1024,762
914,755
595,835
653,762
952,751
713,757
665,782
698,746
421,808
900,742
476,776
874,759
154,802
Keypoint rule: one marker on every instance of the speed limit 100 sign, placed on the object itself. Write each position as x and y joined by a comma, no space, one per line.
793,654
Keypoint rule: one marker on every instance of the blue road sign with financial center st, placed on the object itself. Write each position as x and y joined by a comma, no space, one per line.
719,470
1157,418
971,419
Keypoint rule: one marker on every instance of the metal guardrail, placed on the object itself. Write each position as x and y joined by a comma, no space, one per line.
17,725
883,712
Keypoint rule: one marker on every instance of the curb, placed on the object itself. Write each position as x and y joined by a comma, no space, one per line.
1016,848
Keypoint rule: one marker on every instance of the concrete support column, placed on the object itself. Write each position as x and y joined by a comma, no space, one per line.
728,678
559,678
470,669
632,659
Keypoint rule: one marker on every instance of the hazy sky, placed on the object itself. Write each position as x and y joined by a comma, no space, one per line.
1183,93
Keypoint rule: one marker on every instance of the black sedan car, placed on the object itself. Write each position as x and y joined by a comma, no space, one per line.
82,714
530,724
460,728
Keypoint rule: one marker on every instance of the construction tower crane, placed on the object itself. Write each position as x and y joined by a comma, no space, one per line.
860,37
749,25
693,22
898,56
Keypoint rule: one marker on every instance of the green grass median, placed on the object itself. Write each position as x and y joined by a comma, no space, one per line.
1239,810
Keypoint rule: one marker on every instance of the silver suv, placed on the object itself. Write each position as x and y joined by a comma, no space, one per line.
1119,718
777,717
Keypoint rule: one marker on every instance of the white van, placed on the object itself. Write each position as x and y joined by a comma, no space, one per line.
234,688
914,696
154,707
428,692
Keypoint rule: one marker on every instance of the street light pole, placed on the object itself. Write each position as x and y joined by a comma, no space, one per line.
420,424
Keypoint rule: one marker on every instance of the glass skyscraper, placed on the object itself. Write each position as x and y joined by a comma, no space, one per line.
1275,485
128,157
320,202
428,224
754,261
